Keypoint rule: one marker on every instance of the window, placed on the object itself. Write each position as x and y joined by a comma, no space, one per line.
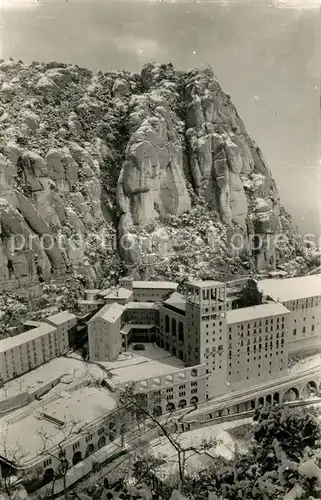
294,331
47,462
75,446
181,394
100,431
182,386
303,330
170,389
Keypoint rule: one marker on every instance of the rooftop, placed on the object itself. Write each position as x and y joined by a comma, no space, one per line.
32,323
139,365
287,289
24,337
176,300
255,312
67,369
158,285
142,305
130,326
94,302
110,312
26,430
230,298
92,290
206,283
278,273
116,293
61,317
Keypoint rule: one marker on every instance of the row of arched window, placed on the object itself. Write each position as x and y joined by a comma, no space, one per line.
173,328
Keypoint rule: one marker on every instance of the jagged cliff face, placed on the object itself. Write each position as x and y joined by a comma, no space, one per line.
158,164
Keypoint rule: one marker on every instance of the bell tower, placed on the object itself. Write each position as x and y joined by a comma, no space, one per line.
207,331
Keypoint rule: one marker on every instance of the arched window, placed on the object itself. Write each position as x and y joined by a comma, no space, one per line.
89,450
166,324
194,400
157,411
291,394
170,407
174,327
76,458
101,442
48,476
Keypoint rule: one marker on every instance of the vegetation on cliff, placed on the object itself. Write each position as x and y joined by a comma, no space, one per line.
161,158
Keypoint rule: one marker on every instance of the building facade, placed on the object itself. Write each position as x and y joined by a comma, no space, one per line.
257,344
302,297
211,326
223,346
148,291
66,326
193,328
173,391
104,337
30,349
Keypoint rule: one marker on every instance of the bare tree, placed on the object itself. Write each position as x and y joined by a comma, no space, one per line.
56,450
131,403
13,456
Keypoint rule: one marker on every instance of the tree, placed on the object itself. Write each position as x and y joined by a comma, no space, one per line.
293,428
56,451
137,406
12,458
284,440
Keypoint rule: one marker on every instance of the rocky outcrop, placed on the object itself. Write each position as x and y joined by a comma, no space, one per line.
161,158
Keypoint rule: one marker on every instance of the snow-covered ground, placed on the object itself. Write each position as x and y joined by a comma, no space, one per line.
305,364
67,369
198,459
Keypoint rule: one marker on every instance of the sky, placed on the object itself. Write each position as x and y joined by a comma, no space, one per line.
264,53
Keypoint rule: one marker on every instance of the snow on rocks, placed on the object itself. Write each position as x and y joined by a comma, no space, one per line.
121,88
30,119
262,205
295,493
4,117
6,88
310,470
176,495
60,76
45,83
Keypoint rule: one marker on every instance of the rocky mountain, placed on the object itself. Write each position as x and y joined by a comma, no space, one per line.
154,170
